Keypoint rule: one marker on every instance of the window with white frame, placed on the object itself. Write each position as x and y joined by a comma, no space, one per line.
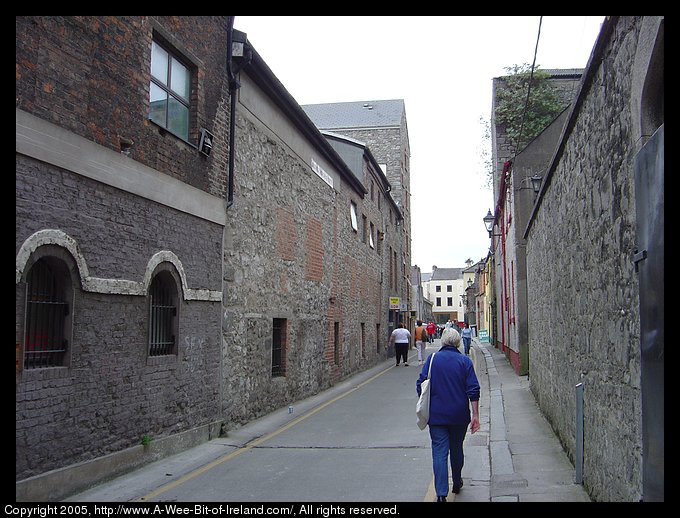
353,216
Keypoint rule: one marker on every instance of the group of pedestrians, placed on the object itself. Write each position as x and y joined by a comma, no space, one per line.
454,391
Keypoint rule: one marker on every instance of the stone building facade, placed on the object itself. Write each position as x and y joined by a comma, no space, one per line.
187,296
113,210
584,294
381,125
514,198
317,256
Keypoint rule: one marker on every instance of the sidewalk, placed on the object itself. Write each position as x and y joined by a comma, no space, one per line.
515,456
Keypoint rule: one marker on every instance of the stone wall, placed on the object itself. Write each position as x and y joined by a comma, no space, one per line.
111,393
583,288
291,253
115,196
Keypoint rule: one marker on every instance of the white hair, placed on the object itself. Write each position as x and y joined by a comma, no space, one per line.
451,337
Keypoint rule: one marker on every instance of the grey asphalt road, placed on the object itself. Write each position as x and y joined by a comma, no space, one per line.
357,442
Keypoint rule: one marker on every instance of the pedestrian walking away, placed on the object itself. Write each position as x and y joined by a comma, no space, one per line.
454,388
401,338
421,340
466,335
431,328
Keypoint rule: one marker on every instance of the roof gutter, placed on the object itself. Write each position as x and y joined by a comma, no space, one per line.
265,79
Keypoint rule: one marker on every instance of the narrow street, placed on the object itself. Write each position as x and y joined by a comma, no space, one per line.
358,442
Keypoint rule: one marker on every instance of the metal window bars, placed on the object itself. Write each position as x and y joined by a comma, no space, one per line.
163,312
46,310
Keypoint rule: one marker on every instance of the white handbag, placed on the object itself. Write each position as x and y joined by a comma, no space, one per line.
423,405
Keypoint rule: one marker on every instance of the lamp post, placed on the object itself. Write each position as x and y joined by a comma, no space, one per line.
488,222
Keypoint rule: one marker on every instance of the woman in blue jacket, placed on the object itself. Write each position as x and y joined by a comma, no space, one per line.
453,389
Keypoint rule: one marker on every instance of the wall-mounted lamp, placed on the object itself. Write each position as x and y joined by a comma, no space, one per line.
488,222
238,43
205,145
536,181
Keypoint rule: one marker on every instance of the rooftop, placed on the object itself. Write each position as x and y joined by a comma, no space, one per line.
447,274
356,114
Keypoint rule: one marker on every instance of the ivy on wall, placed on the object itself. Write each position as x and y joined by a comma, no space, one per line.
542,107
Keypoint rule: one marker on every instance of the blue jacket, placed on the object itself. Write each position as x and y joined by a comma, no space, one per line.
453,384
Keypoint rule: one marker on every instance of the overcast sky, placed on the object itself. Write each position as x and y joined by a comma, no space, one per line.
442,66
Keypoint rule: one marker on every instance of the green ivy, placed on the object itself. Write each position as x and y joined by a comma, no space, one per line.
543,106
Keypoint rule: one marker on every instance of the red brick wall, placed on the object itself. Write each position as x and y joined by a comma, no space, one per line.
314,251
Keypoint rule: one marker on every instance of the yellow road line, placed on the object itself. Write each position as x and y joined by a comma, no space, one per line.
252,444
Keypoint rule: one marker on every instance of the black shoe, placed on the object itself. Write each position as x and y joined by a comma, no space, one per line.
441,499
405,364
456,489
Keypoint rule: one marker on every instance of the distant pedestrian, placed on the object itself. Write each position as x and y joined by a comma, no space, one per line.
401,338
421,339
466,335
431,329
453,389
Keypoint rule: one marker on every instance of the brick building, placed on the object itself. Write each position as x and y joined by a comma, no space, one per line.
169,285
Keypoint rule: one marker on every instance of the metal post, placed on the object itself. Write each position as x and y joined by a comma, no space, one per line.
579,434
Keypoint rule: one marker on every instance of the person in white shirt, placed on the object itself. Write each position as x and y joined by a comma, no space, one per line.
401,338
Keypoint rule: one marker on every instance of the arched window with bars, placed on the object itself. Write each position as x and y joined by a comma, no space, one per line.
163,313
47,326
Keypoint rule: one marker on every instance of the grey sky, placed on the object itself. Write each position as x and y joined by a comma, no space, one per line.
442,66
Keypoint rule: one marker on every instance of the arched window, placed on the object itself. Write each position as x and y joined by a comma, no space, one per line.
163,315
47,325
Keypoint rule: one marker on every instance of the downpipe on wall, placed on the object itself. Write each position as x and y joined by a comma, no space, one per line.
237,47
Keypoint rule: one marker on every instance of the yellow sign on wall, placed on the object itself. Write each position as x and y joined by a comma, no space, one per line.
394,302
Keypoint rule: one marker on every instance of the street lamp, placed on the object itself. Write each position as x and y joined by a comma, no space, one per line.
488,222
536,181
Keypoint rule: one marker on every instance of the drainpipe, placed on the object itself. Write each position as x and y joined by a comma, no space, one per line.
236,47
500,219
